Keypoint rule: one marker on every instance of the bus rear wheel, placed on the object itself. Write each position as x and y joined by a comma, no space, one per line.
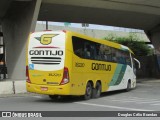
97,90
88,93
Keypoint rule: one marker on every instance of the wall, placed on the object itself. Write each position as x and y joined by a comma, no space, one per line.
19,20
148,67
154,36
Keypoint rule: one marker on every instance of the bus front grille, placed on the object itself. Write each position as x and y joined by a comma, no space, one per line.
46,60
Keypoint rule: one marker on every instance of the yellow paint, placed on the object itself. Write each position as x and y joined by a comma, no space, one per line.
47,38
79,76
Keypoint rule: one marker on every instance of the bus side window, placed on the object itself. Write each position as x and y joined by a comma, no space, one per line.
121,57
97,52
87,53
128,60
105,53
89,50
114,56
78,46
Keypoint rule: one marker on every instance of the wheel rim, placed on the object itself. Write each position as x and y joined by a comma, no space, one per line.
98,88
98,91
88,93
88,90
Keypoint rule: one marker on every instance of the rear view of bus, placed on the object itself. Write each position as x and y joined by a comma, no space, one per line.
45,70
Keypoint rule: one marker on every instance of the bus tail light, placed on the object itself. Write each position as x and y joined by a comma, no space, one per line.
27,75
65,78
64,31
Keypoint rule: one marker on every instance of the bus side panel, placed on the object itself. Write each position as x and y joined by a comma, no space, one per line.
85,70
120,80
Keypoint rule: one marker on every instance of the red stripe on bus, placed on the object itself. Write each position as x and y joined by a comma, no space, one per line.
45,47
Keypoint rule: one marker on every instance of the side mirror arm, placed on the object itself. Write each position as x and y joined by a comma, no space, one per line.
139,64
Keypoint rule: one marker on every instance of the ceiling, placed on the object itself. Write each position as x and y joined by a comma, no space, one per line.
4,5
140,14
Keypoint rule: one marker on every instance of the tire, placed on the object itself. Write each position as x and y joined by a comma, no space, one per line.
97,90
128,86
88,92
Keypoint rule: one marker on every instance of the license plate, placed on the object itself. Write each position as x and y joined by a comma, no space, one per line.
44,88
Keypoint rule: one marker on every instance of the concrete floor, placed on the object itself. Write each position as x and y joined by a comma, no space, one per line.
146,97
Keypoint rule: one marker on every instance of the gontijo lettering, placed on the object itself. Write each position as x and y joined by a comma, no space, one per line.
46,52
103,67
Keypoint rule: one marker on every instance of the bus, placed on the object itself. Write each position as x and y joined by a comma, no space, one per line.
65,63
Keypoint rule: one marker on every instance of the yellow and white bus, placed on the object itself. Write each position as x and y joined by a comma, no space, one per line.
61,63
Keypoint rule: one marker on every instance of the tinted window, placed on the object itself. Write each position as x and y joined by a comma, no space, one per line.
83,48
78,46
96,51
105,53
89,50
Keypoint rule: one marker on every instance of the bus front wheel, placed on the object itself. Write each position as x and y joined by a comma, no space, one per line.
88,93
128,86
